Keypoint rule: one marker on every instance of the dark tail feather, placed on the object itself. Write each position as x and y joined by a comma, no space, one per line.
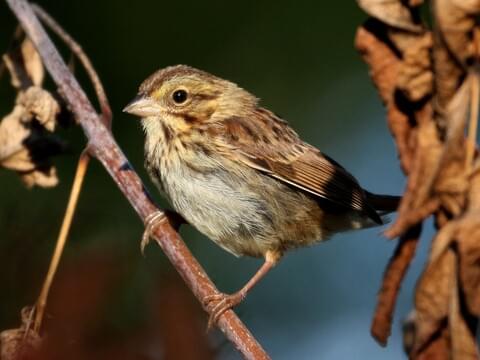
383,203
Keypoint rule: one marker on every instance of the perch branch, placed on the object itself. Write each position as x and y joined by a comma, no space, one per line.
104,148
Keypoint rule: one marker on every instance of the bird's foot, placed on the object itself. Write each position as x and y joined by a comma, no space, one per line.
219,303
155,219
151,222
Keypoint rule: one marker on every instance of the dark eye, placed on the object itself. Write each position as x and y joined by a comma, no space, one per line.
179,96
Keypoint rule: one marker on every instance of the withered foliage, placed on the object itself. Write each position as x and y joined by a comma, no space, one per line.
427,77
27,142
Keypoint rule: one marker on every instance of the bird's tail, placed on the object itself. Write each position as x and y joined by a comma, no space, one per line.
384,204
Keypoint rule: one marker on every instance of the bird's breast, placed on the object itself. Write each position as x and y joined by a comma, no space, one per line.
215,201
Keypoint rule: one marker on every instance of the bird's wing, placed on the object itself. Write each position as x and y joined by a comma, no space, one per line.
266,143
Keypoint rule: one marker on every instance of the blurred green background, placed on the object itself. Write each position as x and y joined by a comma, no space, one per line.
300,60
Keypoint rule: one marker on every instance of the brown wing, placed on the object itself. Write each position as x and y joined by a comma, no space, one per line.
268,144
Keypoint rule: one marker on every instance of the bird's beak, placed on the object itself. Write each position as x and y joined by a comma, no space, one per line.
142,106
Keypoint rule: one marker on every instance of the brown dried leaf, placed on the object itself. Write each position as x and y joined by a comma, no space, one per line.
392,12
417,202
25,66
438,348
468,240
32,62
16,343
41,105
432,298
474,191
448,75
452,178
403,40
26,142
415,77
455,20
392,279
384,66
463,345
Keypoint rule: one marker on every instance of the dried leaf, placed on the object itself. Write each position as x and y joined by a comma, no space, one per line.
41,105
25,66
474,191
417,202
451,181
468,240
463,345
455,20
415,77
432,298
427,77
392,12
392,279
16,343
448,76
384,66
26,142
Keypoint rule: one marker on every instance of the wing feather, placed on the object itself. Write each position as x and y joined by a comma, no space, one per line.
266,143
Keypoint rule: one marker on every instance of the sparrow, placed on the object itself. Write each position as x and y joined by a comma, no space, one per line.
241,175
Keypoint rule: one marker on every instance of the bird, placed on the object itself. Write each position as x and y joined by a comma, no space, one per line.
241,175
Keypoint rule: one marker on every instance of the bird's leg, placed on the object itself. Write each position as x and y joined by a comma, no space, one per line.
155,219
219,303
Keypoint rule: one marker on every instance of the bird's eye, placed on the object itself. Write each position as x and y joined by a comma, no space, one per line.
179,96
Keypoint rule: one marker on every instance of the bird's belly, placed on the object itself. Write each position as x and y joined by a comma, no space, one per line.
246,212
221,206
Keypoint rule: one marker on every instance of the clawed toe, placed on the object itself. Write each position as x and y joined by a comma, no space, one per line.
217,304
151,222
213,298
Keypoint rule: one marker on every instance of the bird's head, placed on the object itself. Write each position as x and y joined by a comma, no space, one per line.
183,97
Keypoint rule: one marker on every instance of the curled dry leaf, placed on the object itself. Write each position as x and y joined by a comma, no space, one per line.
417,203
452,182
26,139
392,279
455,20
392,12
468,239
18,343
24,65
384,65
432,298
462,338
432,78
415,78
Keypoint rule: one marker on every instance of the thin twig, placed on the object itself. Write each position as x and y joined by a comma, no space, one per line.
41,304
75,47
104,148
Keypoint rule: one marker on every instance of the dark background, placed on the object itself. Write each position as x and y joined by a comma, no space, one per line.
300,60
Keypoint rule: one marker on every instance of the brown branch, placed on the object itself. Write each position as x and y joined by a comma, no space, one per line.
104,148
